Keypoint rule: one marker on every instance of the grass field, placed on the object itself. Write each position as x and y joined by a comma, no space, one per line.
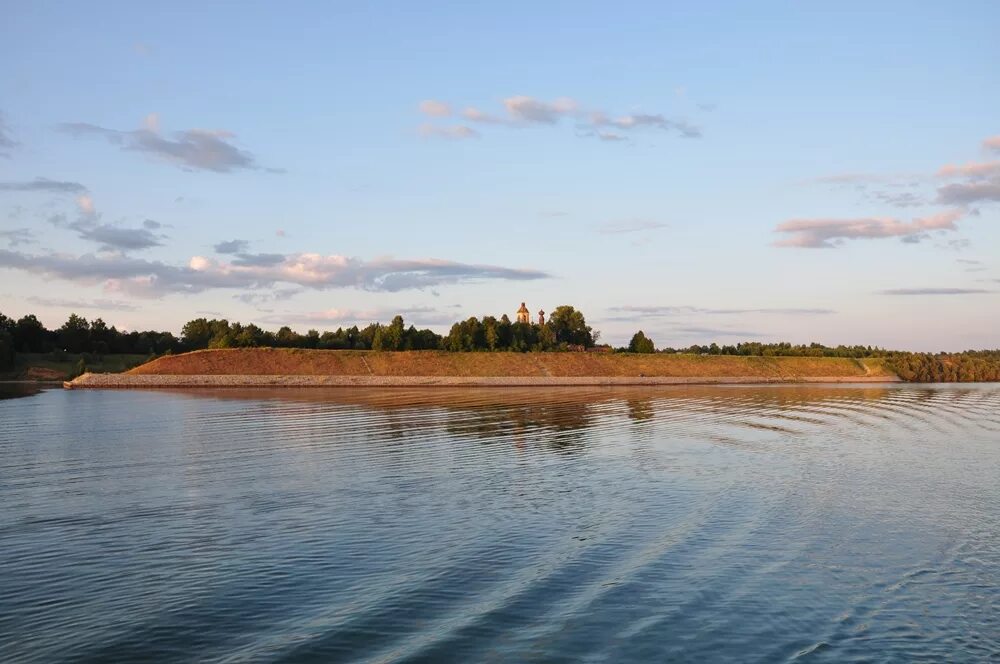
57,367
296,362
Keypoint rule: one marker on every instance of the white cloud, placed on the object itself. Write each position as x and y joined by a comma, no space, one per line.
970,192
935,291
641,120
982,180
476,115
971,169
827,233
44,185
191,149
530,110
411,315
86,205
18,236
231,247
457,132
120,273
630,226
120,238
525,111
433,108
99,304
637,313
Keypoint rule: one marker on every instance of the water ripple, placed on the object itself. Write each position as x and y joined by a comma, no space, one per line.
804,523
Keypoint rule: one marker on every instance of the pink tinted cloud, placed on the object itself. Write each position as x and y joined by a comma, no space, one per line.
972,169
528,109
457,132
434,108
137,276
828,233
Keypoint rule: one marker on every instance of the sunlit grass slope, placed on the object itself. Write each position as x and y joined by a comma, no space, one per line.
296,362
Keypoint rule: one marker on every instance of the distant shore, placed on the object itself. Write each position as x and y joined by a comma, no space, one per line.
266,367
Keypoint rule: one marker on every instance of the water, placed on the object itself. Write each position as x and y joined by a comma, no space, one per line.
833,524
17,389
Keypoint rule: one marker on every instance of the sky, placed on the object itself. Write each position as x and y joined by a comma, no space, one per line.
798,171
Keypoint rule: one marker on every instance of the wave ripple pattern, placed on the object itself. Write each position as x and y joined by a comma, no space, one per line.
826,524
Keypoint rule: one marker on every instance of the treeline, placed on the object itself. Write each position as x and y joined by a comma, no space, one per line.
965,367
78,335
566,329
784,349
971,366
202,333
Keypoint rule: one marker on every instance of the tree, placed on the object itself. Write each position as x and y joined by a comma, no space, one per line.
250,336
641,344
379,341
570,327
101,337
491,334
200,333
79,369
504,333
29,335
285,338
523,337
393,334
6,349
546,338
74,335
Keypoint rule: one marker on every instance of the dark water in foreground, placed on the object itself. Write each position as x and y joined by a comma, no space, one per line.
699,524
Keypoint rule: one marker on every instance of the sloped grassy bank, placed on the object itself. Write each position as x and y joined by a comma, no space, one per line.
267,366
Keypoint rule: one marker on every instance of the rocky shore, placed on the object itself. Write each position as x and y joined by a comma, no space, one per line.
131,381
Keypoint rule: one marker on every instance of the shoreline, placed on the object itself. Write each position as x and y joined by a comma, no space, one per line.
153,381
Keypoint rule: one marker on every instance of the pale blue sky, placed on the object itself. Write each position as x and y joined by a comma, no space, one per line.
636,160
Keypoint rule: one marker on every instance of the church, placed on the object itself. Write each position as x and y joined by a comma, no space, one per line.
524,316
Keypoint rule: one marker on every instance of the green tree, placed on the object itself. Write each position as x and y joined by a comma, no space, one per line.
379,341
523,337
74,335
29,335
79,369
504,333
491,333
570,327
285,338
6,350
545,337
101,337
200,333
393,336
641,343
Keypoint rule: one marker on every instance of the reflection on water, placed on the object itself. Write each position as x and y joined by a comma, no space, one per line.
832,523
16,389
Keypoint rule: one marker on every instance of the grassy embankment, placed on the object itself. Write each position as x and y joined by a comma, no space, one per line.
296,362
60,366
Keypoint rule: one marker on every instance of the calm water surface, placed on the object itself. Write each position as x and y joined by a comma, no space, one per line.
698,524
